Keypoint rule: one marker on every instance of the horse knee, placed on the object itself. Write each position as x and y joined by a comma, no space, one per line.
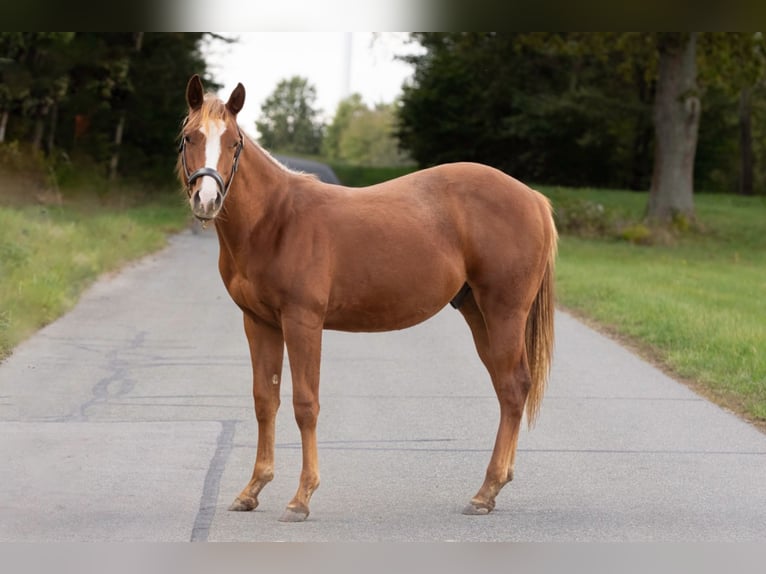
306,413
266,407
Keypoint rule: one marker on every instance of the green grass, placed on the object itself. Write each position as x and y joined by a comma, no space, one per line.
696,303
50,253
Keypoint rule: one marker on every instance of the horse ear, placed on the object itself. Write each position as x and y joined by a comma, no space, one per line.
236,100
194,93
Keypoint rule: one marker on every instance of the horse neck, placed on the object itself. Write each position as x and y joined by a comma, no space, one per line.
258,192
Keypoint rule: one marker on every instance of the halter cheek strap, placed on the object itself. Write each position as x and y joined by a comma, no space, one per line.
209,171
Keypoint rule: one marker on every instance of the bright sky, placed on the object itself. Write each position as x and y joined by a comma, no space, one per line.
261,59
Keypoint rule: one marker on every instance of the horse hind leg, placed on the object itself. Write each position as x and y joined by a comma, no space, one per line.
501,348
478,326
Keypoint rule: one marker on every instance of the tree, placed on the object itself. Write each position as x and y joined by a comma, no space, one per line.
112,80
289,120
370,139
95,91
730,64
545,107
35,78
676,124
155,106
11,89
604,109
347,110
734,65
359,135
124,86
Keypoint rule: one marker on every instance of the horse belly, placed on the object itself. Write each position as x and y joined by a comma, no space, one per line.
390,298
378,318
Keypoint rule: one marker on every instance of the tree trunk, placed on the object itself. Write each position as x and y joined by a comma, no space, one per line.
37,135
52,131
676,121
643,132
745,142
114,162
3,124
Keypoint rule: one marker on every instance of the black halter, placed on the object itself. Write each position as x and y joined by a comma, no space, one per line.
209,171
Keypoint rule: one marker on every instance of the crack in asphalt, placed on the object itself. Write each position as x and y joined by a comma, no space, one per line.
116,384
212,486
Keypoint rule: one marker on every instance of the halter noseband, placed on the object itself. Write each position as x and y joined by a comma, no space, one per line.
209,171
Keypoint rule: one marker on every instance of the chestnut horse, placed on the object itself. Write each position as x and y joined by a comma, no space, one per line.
299,256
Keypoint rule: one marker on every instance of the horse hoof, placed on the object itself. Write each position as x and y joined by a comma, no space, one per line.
472,509
243,505
294,515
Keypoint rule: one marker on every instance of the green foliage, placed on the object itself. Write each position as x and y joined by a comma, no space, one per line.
347,109
638,233
543,107
732,72
66,93
36,75
370,140
732,60
576,108
359,135
289,120
584,218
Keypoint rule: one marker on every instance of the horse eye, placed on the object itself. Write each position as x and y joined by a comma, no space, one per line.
187,139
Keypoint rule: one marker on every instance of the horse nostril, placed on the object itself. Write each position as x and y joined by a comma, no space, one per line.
218,201
196,200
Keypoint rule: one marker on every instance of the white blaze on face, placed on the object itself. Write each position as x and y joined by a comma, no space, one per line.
213,131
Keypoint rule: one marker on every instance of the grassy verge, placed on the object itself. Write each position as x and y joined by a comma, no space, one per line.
50,253
695,303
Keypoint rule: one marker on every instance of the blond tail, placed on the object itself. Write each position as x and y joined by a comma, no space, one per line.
539,333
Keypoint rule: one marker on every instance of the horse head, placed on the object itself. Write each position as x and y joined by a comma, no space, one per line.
211,143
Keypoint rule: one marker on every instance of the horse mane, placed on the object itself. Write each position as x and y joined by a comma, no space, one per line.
214,109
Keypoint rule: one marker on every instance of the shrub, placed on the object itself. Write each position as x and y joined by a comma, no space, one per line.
637,233
577,216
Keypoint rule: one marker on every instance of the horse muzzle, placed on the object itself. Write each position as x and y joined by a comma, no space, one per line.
207,200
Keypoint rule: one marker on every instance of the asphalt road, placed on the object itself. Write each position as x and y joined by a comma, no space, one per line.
130,419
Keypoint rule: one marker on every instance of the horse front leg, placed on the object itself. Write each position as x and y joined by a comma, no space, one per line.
303,337
266,354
